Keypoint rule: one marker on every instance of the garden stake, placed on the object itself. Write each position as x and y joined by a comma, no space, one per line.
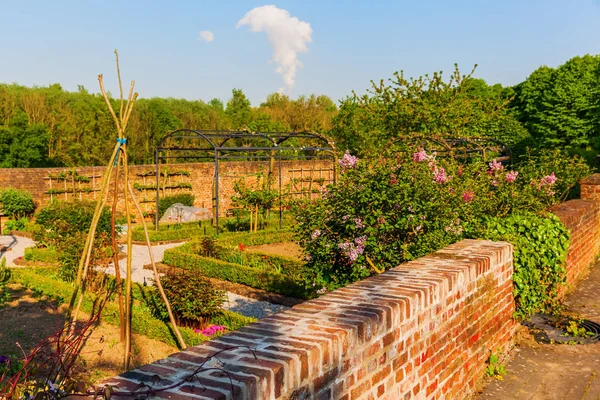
119,156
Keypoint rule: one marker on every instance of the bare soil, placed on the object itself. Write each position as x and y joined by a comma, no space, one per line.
286,249
27,320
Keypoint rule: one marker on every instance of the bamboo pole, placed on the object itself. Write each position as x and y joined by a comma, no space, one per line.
155,270
115,248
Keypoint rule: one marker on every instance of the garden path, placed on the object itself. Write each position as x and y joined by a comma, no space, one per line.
556,371
16,246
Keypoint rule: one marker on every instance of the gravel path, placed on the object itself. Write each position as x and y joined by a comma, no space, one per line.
16,245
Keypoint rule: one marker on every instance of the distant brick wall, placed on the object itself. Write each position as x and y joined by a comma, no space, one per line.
422,330
35,180
582,218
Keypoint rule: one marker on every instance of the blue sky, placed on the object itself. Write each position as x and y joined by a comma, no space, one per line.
71,42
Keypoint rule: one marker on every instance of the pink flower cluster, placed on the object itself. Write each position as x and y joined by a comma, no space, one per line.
358,223
468,196
316,233
348,161
496,166
511,176
353,249
549,179
211,330
420,156
439,176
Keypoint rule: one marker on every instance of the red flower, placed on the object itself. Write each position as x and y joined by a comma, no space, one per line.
242,247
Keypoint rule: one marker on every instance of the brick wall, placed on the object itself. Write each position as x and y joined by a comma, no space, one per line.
422,330
582,218
36,180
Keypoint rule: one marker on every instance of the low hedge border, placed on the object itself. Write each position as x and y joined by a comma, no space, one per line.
271,281
40,281
256,238
43,255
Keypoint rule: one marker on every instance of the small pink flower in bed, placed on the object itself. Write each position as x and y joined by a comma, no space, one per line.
468,196
496,166
511,176
420,156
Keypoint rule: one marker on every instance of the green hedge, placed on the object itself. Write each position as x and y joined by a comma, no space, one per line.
43,255
256,238
41,281
271,281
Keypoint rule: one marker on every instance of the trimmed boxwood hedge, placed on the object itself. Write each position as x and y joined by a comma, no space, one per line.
41,281
272,281
256,238
43,255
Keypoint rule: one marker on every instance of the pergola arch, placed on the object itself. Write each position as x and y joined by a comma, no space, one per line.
218,145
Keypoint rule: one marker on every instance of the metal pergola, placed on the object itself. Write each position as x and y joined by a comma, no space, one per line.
219,146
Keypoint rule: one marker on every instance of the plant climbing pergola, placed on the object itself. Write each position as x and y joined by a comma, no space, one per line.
222,146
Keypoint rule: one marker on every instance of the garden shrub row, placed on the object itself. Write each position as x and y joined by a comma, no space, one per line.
44,255
41,281
272,281
267,236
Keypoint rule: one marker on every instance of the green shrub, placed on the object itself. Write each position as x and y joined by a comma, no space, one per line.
540,251
5,275
41,281
269,280
193,298
403,205
16,224
256,238
17,203
186,199
65,228
45,255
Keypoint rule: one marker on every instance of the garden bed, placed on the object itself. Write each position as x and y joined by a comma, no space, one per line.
42,282
232,262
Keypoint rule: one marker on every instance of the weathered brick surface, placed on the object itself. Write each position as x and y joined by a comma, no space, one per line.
35,180
422,330
582,218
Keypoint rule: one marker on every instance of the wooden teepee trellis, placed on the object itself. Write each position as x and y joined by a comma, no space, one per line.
118,160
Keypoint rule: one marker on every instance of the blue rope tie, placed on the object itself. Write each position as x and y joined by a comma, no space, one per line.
121,143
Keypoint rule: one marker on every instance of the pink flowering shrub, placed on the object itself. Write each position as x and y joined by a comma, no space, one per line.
407,203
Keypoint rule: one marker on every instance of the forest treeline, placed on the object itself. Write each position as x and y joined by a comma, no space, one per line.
553,108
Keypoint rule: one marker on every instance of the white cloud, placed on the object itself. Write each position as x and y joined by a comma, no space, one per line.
288,36
206,36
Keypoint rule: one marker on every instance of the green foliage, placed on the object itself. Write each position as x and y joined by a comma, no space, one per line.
540,251
193,298
261,277
16,224
46,255
186,199
561,106
403,205
65,228
5,275
266,236
495,369
17,203
41,281
570,169
48,126
429,105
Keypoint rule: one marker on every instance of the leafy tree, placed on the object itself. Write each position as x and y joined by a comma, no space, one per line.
429,105
561,106
238,109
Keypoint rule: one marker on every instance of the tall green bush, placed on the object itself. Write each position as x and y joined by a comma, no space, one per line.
540,244
408,203
17,203
65,228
